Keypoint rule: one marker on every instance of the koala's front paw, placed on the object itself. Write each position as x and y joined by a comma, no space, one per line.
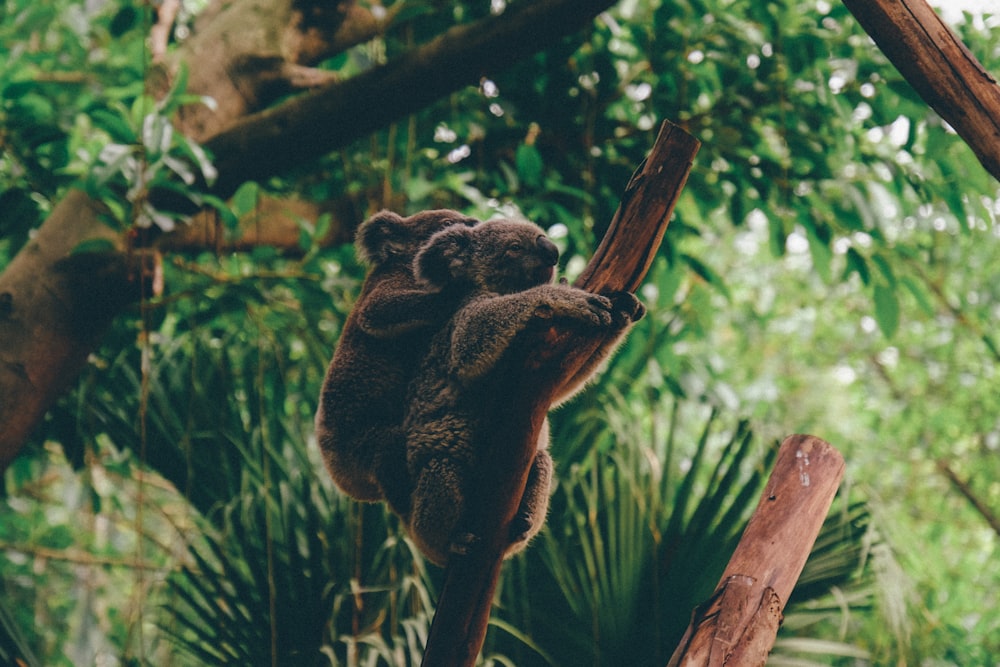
626,308
582,305
596,310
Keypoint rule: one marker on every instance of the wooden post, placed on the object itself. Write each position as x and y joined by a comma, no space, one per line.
549,360
940,68
737,625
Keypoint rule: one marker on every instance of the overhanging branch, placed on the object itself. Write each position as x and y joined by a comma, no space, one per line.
314,124
940,68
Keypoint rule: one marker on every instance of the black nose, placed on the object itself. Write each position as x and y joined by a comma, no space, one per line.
548,250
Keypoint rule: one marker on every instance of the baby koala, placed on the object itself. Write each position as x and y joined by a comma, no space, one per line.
500,273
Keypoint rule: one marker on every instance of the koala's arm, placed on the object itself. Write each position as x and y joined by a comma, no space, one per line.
626,310
486,326
389,311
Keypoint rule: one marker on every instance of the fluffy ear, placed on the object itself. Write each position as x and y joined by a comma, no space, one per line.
381,238
441,260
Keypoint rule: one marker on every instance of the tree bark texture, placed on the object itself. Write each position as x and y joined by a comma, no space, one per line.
543,364
244,51
738,624
53,308
329,118
246,54
940,68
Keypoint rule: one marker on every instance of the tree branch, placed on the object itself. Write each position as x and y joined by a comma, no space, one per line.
940,68
977,503
37,364
549,360
329,118
737,625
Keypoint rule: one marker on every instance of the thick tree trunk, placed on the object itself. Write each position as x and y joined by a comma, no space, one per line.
53,308
550,360
246,51
940,68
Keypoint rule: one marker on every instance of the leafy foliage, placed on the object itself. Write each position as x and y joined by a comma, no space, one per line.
825,271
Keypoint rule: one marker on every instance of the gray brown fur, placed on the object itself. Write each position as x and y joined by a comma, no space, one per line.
502,271
359,420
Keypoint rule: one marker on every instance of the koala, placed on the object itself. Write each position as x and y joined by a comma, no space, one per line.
501,272
360,414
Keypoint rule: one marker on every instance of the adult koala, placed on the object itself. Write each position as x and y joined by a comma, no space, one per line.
500,273
359,420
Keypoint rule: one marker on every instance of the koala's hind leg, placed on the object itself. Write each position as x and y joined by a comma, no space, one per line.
534,504
392,472
438,507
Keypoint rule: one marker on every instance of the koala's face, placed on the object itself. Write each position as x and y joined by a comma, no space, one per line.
386,237
502,256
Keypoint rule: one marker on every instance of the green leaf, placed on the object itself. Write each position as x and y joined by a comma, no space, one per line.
323,224
142,106
175,98
857,263
229,219
886,309
819,248
778,236
706,274
529,165
245,198
114,124
883,264
919,294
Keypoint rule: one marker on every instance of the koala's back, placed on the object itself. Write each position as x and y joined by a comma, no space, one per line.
361,405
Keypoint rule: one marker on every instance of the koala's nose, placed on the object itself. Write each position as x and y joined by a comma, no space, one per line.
548,250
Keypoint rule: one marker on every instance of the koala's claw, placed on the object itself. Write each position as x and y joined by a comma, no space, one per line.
599,309
463,543
626,308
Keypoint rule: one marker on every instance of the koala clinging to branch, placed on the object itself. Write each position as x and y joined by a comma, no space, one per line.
500,272
360,415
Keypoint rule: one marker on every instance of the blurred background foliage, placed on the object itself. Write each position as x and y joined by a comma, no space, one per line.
830,269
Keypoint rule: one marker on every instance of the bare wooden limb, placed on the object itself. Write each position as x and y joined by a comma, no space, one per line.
552,357
940,68
738,624
275,222
309,126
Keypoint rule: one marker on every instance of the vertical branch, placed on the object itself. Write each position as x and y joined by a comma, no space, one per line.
546,361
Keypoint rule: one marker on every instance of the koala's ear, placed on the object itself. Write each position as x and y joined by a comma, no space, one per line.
442,258
380,238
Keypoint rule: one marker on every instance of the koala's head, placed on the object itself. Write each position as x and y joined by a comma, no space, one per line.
501,256
386,237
